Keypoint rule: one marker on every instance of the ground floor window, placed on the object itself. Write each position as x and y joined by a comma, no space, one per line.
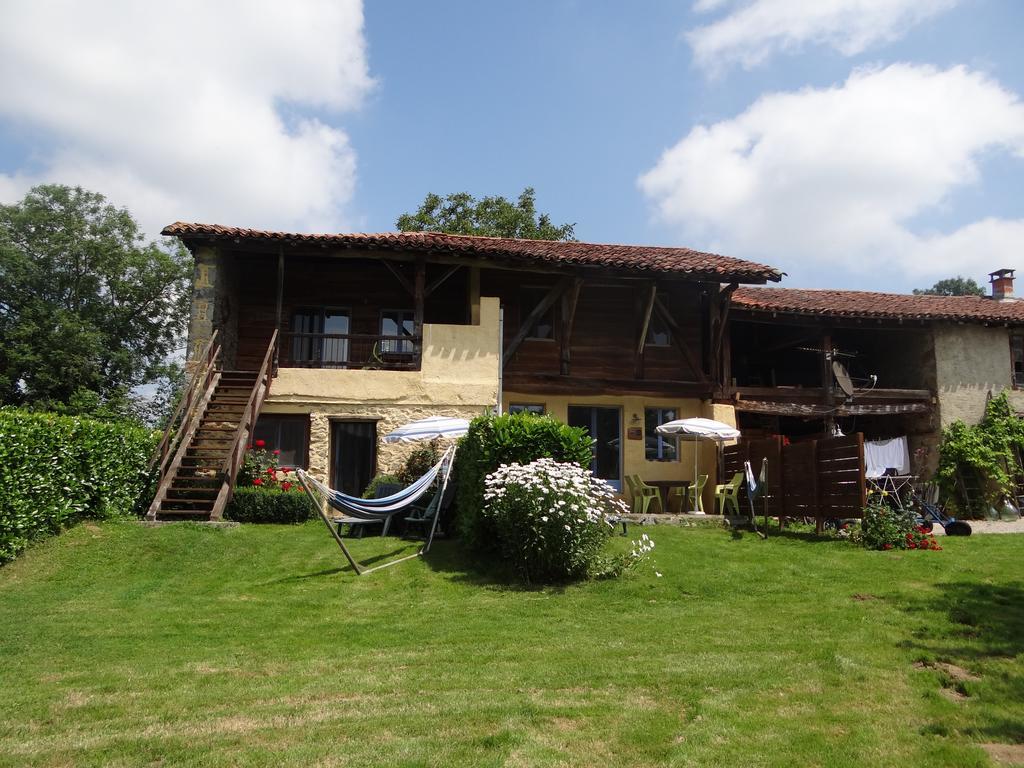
353,455
604,425
288,434
537,409
656,447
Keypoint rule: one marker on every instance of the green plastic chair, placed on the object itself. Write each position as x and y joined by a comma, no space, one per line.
643,495
728,494
694,494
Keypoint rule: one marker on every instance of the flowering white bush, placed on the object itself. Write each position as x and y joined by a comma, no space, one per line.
552,520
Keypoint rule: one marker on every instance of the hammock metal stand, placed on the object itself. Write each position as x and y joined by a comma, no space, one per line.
320,495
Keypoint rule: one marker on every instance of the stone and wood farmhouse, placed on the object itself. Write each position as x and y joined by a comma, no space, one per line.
321,344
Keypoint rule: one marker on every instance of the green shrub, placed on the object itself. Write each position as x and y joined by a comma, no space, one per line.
379,480
269,505
56,470
419,462
985,451
552,520
515,438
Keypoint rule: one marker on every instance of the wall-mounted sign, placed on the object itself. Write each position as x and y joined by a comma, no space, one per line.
634,433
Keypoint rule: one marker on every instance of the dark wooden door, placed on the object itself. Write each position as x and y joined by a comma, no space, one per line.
353,455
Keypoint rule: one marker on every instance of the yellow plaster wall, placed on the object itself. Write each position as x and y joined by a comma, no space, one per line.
458,377
634,460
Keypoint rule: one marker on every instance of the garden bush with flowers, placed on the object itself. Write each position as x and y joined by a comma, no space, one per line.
887,528
512,438
266,492
552,521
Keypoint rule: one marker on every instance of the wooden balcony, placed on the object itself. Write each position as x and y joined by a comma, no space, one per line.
351,351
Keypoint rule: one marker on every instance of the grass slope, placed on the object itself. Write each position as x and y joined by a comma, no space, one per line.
183,645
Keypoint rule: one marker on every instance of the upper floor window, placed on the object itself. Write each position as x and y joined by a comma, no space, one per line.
658,333
319,335
1017,358
531,297
656,447
397,322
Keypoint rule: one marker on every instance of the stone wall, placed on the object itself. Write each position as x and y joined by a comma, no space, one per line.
213,290
970,362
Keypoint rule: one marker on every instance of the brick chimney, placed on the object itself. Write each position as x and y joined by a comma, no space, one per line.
1002,284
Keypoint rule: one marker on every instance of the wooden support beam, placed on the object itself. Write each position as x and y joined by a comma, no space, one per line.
677,339
570,299
645,323
439,281
473,298
418,295
280,307
538,312
402,279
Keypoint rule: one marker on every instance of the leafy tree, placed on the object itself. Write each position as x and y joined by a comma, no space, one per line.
88,310
462,214
952,286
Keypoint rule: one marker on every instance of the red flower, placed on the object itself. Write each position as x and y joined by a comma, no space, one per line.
270,470
260,443
277,452
284,469
286,486
887,546
258,481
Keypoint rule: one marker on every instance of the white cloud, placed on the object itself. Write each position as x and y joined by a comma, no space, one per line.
753,32
836,177
188,111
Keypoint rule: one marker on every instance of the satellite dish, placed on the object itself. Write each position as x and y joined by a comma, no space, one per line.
842,378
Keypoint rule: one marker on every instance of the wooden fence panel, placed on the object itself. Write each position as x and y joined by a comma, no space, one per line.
800,479
755,451
842,490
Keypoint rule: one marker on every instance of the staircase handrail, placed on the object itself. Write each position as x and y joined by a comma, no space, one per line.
229,472
198,384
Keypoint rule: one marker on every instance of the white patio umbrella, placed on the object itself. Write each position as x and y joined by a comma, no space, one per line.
428,429
698,429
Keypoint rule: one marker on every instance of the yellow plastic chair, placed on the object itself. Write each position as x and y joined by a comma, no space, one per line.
693,493
643,495
728,494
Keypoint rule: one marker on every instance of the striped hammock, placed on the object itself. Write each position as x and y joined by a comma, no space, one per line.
375,509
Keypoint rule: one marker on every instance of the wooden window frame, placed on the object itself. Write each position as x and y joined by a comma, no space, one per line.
660,438
301,417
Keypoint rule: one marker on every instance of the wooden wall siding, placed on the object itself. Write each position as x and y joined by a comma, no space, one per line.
755,451
604,332
365,287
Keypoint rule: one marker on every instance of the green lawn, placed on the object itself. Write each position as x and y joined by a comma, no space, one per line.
122,645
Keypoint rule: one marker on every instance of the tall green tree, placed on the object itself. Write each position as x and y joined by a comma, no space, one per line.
952,286
463,214
88,309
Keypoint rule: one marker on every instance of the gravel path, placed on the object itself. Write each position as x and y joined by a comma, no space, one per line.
989,526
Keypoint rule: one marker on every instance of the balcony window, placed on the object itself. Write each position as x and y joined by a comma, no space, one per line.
315,339
658,334
397,322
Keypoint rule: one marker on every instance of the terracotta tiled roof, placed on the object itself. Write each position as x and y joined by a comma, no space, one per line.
865,304
678,261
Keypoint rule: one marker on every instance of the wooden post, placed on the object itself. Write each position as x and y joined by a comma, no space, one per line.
473,289
280,307
419,292
827,396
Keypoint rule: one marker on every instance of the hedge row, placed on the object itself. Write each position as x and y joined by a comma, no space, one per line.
56,470
269,505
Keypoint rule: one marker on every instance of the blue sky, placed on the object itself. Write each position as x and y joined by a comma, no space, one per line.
874,144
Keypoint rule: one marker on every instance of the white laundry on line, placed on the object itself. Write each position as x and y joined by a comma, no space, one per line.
879,455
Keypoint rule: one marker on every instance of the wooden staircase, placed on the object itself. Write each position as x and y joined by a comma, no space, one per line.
199,464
